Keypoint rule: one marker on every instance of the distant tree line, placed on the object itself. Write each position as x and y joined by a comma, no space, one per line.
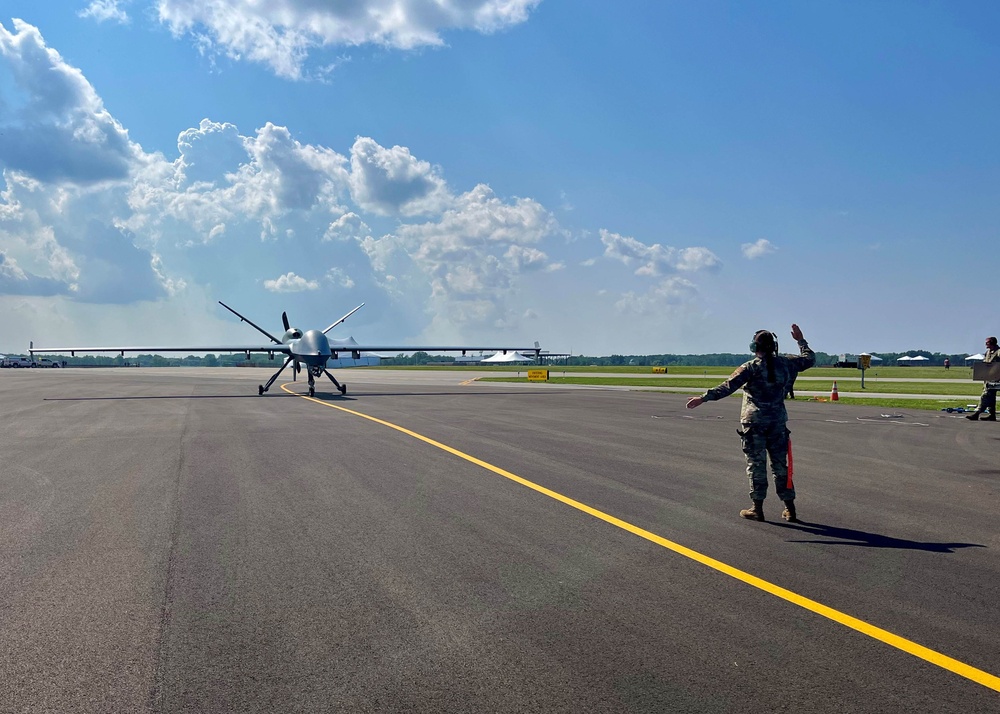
210,360
724,359
727,359
417,358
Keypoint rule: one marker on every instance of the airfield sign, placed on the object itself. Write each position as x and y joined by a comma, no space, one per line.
864,362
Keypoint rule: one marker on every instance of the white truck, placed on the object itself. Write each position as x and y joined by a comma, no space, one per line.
847,360
18,362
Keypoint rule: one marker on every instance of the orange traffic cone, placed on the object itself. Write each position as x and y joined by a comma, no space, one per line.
834,397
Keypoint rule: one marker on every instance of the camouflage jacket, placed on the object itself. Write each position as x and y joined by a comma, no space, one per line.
991,356
764,400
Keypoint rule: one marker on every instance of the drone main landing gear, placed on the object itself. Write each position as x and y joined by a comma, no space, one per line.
261,388
312,373
338,385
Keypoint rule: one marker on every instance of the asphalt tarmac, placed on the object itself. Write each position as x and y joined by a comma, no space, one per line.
172,542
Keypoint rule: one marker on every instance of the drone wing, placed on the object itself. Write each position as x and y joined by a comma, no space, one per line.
350,345
268,349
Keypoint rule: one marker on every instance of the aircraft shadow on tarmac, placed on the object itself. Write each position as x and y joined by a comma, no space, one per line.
848,536
163,396
457,393
337,397
333,396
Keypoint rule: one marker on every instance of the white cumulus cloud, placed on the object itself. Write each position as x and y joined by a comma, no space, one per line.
56,128
107,11
224,182
349,226
758,249
341,279
471,257
393,181
290,283
668,293
281,34
657,260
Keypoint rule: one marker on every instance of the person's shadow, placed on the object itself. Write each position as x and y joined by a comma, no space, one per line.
833,535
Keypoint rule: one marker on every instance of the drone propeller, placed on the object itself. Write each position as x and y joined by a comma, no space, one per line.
284,320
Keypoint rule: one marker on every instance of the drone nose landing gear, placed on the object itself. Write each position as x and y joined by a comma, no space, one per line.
317,371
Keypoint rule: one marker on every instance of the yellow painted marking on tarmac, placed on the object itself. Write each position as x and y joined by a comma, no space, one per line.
901,643
467,382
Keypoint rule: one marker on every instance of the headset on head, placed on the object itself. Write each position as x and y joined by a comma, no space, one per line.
756,344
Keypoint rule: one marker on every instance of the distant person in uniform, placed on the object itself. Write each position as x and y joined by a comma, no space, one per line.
765,381
988,399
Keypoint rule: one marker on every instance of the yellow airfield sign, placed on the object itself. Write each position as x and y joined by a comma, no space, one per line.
538,375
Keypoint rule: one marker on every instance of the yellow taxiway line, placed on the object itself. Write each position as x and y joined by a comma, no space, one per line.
901,643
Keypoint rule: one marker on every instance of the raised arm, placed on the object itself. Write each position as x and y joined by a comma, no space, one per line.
806,358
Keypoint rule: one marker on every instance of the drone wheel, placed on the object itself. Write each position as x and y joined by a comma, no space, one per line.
260,389
343,389
312,392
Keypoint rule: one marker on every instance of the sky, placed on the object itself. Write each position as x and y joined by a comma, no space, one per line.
602,177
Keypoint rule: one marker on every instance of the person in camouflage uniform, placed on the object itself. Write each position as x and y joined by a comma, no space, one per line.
988,399
765,381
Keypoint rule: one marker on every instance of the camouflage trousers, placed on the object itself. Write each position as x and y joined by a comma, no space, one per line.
762,442
988,400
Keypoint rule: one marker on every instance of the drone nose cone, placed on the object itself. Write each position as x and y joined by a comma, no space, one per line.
314,344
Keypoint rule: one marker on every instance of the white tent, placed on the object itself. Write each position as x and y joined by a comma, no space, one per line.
512,356
920,358
975,357
904,358
874,358
345,355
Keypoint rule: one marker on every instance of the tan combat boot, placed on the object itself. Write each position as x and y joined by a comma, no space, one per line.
754,514
789,513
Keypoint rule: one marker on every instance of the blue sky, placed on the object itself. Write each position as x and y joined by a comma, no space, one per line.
601,177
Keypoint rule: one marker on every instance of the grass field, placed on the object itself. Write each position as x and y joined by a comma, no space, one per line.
956,383
873,375
698,384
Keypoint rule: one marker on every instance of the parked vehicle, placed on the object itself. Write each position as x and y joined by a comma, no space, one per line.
18,362
847,360
46,362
